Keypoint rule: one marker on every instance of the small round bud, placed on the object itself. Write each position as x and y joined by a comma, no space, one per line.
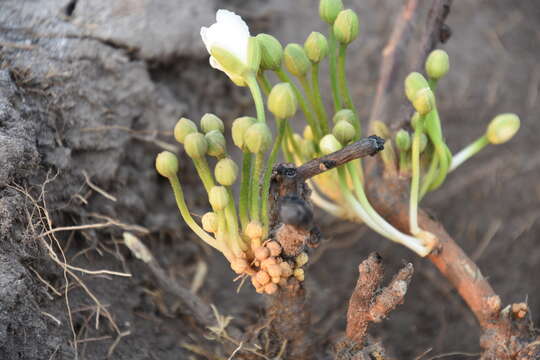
344,132
210,222
216,143
424,102
403,140
258,138
329,10
211,122
413,83
301,259
262,277
346,26
286,269
316,47
261,253
226,171
344,114
167,164
296,60
271,52
218,198
502,128
299,274
239,127
183,128
282,102
437,64
274,248
423,142
254,230
329,144
268,262
274,270
195,145
270,288
239,265
308,133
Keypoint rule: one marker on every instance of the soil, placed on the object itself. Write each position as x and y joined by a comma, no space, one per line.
89,93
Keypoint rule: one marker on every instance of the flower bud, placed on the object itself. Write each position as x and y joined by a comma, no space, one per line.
282,102
271,52
502,128
254,230
210,222
437,64
346,26
286,269
167,164
316,47
308,133
262,277
403,140
301,259
274,247
216,143
261,253
299,274
344,114
329,144
258,138
329,10
424,102
423,142
274,270
218,197
195,145
413,83
226,172
239,127
296,60
211,122
182,128
344,132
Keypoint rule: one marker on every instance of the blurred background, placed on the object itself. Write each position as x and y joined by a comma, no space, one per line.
89,94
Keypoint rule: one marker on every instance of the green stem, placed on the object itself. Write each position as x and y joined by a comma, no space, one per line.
468,152
290,138
201,165
415,179
235,241
243,205
404,165
255,189
268,174
264,83
307,89
428,178
434,130
344,89
321,111
302,102
251,81
188,219
222,232
332,65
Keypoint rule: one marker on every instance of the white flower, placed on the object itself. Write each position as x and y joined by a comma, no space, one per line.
230,34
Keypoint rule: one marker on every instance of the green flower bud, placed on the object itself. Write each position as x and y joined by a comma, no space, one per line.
239,127
346,26
329,10
211,122
413,83
424,102
258,138
218,197
316,47
308,133
226,171
437,64
216,143
296,60
271,52
343,131
182,128
344,114
196,145
282,102
210,222
329,144
254,54
423,142
502,128
403,140
167,164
